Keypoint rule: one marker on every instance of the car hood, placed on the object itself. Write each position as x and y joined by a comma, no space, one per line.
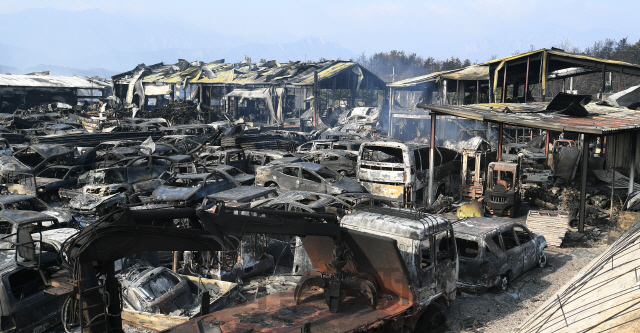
44,181
349,185
62,217
171,193
244,178
87,201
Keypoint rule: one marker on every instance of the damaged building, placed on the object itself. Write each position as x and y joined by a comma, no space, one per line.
31,90
264,92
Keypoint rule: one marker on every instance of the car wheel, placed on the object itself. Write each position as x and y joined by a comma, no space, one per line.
343,173
542,261
272,185
504,283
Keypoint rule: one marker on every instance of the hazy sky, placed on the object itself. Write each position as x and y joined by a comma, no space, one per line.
467,29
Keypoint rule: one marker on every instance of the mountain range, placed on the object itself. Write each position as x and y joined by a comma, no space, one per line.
92,42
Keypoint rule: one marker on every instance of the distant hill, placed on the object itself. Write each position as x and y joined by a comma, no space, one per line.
93,39
8,69
69,71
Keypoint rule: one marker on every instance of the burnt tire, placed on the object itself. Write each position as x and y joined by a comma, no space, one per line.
542,261
504,283
431,320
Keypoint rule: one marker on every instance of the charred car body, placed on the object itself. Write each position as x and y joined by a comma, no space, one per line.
306,177
493,251
399,171
339,161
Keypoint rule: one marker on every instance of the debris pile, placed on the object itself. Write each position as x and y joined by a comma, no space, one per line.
177,113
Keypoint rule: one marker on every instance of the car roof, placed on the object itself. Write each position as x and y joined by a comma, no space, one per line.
242,193
23,216
478,226
11,198
311,166
395,221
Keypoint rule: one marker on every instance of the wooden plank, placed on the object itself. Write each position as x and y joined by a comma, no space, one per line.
552,225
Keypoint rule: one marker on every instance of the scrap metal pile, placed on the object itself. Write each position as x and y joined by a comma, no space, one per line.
214,216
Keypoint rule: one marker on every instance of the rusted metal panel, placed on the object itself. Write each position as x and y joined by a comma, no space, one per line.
278,313
601,119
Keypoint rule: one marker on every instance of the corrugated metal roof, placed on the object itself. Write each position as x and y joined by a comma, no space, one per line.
563,54
296,73
414,81
328,72
471,73
601,119
45,81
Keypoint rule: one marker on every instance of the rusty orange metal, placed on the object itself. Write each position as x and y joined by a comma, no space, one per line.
278,313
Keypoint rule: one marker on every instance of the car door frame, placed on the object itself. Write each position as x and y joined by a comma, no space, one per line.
321,187
513,255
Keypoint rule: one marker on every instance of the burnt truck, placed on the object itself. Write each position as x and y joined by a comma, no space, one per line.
399,171
410,258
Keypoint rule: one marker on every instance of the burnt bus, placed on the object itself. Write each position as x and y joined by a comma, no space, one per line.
399,171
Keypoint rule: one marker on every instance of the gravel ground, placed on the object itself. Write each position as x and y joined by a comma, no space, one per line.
502,312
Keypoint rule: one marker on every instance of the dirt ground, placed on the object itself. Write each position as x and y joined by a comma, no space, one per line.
503,312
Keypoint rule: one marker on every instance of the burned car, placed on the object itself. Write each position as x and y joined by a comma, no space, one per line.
305,176
50,180
232,157
157,298
340,161
494,251
34,222
258,158
399,171
236,174
24,302
503,188
314,145
35,158
190,189
241,196
27,202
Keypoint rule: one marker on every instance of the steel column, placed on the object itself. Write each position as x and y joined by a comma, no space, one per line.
500,128
526,82
504,82
583,182
613,173
632,164
477,91
432,146
546,145
392,98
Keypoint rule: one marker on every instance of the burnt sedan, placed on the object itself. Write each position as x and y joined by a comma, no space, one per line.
27,202
238,175
494,251
340,161
50,180
306,177
191,189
